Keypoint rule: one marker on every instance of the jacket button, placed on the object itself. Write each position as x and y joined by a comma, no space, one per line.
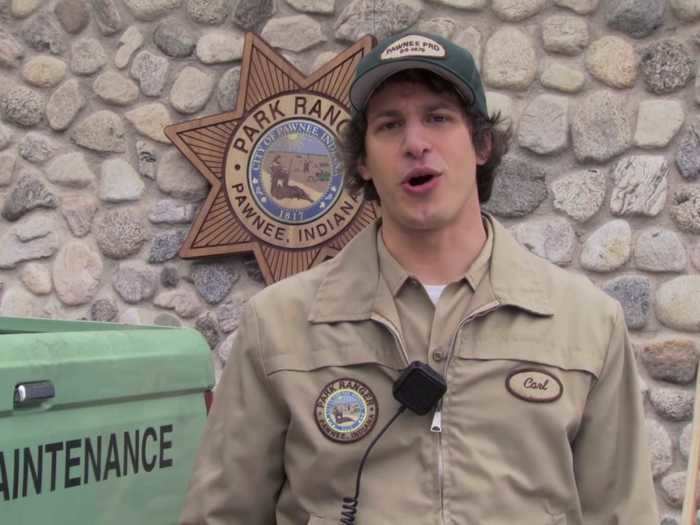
438,356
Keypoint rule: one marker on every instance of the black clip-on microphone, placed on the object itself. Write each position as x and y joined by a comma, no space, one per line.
419,388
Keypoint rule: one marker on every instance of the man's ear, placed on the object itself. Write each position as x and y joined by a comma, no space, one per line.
362,170
484,153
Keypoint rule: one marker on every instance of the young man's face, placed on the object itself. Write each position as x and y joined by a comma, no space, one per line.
421,159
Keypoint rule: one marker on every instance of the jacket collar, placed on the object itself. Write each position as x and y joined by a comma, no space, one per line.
349,289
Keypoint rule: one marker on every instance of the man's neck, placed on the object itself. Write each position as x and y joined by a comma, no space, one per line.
436,257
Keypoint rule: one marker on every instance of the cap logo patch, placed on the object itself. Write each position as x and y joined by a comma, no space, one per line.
346,410
413,46
535,386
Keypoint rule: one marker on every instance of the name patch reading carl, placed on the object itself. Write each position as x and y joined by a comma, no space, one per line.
536,386
346,410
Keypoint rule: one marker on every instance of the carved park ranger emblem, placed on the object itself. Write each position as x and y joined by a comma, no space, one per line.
274,165
346,410
534,385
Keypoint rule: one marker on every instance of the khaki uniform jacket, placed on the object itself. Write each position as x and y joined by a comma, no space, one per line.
501,458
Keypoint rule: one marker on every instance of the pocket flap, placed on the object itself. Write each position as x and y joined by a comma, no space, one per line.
340,356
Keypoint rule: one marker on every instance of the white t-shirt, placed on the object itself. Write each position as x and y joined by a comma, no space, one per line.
434,291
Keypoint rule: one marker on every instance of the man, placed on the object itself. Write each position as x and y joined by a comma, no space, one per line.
542,422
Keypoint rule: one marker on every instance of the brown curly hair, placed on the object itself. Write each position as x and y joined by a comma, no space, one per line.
485,130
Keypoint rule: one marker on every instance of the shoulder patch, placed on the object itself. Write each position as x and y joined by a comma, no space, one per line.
346,410
534,385
414,46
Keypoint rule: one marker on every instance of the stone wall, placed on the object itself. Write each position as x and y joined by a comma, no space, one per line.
602,177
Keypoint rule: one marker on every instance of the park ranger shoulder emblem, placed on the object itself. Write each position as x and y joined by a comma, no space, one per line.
274,165
346,410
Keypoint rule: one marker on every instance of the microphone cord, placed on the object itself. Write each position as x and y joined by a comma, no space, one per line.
350,504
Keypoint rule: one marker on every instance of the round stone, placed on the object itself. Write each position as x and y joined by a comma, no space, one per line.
214,281
36,148
134,282
147,159
688,156
327,7
581,7
5,136
150,120
565,34
666,67
184,301
147,10
580,194
64,104
658,121
151,72
562,78
87,57
191,90
79,210
119,182
551,239
70,170
73,15
76,273
518,189
470,5
608,248
510,61
103,310
685,210
229,313
212,12
120,232
685,441
673,360
676,303
22,106
208,326
29,193
637,18
8,161
169,211
516,11
43,34
673,489
11,51
613,61
660,447
16,302
544,125
115,89
174,39
633,292
387,17
32,238
672,403
169,276
44,71
227,90
130,41
166,245
601,127
443,26
24,8
307,33
640,186
107,16
686,10
470,39
252,14
37,278
660,250
217,47
178,178
102,131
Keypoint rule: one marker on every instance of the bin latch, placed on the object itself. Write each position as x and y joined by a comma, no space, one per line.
34,392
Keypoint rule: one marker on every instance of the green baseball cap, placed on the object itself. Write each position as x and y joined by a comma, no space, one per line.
416,50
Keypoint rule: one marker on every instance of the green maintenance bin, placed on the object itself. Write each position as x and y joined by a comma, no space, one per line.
99,423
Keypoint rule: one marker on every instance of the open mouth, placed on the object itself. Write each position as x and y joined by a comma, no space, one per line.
419,180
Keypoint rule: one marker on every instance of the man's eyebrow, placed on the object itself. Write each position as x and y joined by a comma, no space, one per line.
371,115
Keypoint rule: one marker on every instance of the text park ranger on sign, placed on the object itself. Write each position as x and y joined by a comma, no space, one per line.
542,421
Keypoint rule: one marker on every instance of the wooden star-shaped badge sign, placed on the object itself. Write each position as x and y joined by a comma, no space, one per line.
274,165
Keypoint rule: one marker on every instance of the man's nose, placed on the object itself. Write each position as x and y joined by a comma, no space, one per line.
416,140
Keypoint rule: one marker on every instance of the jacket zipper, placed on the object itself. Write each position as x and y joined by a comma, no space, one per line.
436,425
397,337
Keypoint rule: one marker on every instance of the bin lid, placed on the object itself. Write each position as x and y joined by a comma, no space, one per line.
91,362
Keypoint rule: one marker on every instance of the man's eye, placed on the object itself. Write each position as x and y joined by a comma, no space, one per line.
438,117
387,125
